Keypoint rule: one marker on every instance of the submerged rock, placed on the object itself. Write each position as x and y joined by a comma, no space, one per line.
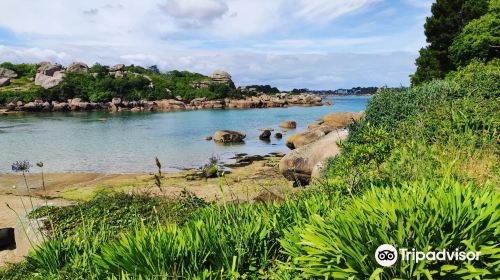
265,135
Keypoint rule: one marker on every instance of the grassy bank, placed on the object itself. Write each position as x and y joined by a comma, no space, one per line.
419,171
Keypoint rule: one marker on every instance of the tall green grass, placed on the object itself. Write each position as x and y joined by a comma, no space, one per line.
426,216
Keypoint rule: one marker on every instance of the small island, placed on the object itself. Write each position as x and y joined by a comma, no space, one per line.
47,87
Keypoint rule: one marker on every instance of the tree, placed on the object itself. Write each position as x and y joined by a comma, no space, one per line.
447,20
479,39
154,69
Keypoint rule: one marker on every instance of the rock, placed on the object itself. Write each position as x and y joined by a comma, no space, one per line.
266,129
228,136
117,67
7,73
341,119
265,135
46,106
170,104
78,67
62,106
116,101
4,82
278,135
301,139
31,106
298,164
49,69
46,81
208,138
222,77
136,109
288,124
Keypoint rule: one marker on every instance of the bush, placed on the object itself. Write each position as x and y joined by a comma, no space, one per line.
23,70
426,216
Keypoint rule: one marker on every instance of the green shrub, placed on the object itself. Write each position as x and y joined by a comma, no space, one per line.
23,70
426,216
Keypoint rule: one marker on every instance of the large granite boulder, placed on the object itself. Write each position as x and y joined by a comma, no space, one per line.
49,75
117,67
341,119
288,125
48,81
170,104
78,67
304,138
49,69
222,77
298,165
7,73
228,136
4,82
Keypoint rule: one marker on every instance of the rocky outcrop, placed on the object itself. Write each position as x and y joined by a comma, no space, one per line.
170,105
222,77
298,165
7,73
49,75
341,119
288,125
49,69
4,82
78,67
228,136
319,129
117,67
118,105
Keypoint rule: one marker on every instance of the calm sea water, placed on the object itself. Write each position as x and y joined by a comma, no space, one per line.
128,142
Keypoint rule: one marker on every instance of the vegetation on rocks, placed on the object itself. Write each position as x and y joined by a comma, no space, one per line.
101,85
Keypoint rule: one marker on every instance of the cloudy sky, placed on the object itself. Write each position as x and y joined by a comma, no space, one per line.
317,44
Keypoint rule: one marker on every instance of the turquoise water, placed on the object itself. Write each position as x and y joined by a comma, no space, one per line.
128,142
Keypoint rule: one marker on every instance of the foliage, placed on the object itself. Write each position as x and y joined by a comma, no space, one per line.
23,70
426,216
479,39
118,211
267,89
438,128
447,20
136,83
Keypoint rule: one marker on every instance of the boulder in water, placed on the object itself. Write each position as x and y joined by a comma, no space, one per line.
228,136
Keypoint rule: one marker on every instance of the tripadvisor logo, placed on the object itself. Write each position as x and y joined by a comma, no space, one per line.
387,255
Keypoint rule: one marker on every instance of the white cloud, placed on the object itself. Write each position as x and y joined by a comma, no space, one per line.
260,41
30,54
328,10
287,71
195,13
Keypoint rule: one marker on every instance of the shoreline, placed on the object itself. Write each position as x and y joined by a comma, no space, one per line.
178,104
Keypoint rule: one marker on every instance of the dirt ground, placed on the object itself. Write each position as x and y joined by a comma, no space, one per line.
241,184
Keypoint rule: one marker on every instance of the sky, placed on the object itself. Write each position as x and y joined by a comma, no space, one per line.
315,44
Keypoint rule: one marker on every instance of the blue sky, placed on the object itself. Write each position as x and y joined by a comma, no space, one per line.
318,44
